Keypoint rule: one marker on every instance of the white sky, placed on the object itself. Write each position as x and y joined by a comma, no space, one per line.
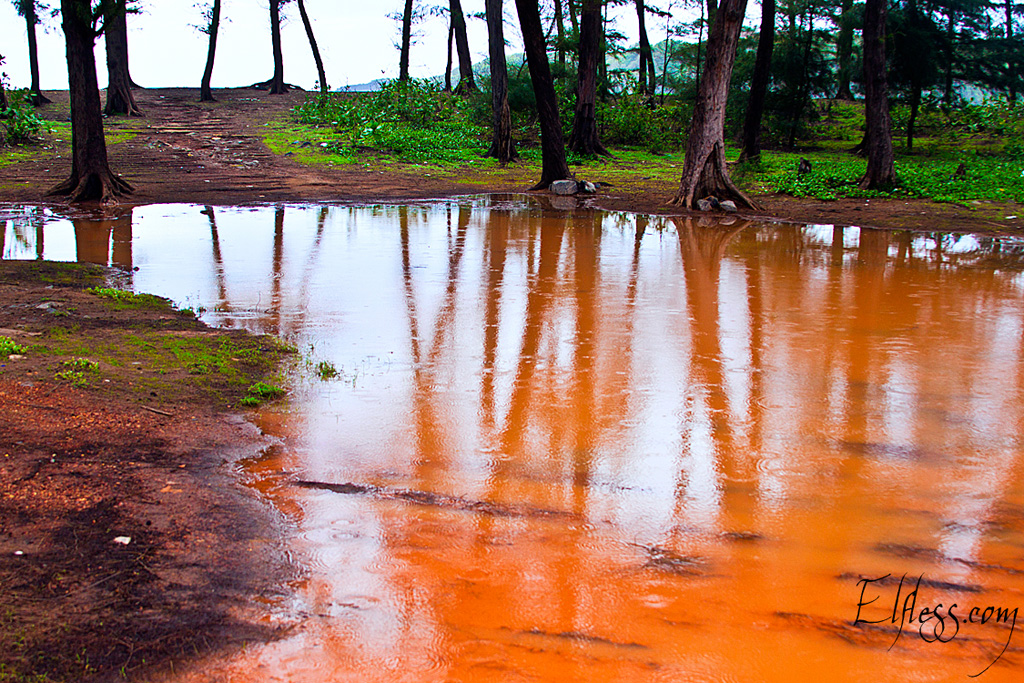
356,38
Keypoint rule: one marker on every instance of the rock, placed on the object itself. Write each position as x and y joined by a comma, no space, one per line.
564,187
704,205
715,204
587,187
564,203
729,206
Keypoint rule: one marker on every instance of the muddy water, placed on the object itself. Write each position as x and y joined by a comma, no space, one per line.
581,446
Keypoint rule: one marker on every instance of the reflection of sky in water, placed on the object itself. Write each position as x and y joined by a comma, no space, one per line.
832,400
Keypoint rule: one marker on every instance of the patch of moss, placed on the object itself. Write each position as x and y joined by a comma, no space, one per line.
125,300
79,275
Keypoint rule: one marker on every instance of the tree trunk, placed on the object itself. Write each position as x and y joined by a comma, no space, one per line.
559,32
571,6
704,171
119,84
502,146
31,20
881,171
759,85
915,104
646,71
466,82
947,97
403,56
90,178
205,92
451,61
313,46
584,138
553,164
277,84
803,89
1011,67
712,11
844,48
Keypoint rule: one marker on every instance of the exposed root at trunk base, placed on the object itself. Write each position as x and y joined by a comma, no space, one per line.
710,179
95,186
121,101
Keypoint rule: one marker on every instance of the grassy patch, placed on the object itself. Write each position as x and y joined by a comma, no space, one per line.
125,300
260,392
78,275
325,370
8,347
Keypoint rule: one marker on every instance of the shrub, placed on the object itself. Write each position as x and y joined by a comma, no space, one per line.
19,119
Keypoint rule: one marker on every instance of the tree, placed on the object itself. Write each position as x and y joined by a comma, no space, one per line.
559,32
30,10
881,171
502,147
759,84
212,28
313,46
120,99
277,84
647,76
704,170
403,57
844,50
912,64
553,164
458,20
584,138
91,178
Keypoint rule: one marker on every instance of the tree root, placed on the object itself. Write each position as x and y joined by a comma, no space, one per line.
96,186
712,181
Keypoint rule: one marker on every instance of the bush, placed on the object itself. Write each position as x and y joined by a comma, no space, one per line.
19,119
629,121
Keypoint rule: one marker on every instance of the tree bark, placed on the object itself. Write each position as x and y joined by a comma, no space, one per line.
704,170
403,56
559,32
844,48
947,96
120,99
573,21
881,170
466,82
313,46
31,19
584,138
205,92
448,66
502,146
647,76
277,84
91,178
759,85
553,164
1012,68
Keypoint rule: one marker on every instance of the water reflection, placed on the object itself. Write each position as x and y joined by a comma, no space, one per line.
568,444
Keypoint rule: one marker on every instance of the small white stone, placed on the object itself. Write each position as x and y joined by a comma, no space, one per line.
123,540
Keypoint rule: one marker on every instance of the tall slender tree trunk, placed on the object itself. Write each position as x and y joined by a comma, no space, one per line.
584,138
451,59
759,84
803,86
559,32
502,146
947,97
119,84
277,84
646,76
844,50
31,20
881,171
91,178
553,164
573,21
466,82
313,46
712,11
1011,67
403,56
704,170
205,92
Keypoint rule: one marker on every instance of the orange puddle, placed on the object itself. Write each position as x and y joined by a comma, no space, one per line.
581,446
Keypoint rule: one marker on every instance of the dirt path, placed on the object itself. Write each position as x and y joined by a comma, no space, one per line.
186,151
127,540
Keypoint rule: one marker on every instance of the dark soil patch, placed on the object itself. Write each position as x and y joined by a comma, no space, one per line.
139,448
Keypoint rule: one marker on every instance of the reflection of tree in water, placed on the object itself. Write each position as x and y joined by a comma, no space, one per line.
105,239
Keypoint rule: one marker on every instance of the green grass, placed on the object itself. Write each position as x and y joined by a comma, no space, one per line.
125,300
261,392
8,347
325,370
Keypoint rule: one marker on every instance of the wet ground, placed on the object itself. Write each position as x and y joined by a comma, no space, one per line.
532,444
